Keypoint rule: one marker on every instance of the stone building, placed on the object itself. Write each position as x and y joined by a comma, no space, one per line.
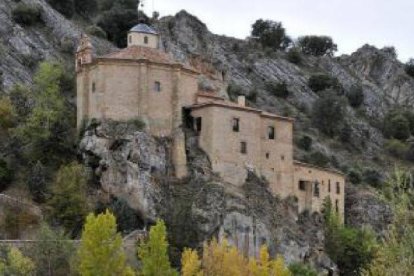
142,81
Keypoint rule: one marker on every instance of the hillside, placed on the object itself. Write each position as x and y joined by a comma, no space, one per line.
128,170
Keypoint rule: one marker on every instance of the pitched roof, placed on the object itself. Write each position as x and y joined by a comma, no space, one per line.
139,52
143,28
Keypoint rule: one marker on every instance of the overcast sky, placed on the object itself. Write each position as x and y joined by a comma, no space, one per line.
351,23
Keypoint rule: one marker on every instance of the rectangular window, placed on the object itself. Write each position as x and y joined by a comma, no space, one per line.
337,206
267,155
243,147
236,124
329,186
338,188
146,39
93,87
198,124
130,39
271,133
316,189
157,86
302,185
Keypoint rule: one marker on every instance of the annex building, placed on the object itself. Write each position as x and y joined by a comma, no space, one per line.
142,81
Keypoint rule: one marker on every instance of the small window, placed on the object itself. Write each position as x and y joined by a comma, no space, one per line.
267,155
157,86
316,189
198,124
243,147
337,206
93,87
145,39
130,39
338,188
236,124
271,133
282,157
329,186
302,185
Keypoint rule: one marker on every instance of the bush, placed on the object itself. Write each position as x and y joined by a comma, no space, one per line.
96,31
234,90
317,45
26,14
397,126
320,82
299,269
345,134
317,158
6,175
409,67
294,56
278,89
355,96
354,176
252,96
305,142
7,113
329,113
271,34
397,148
37,182
65,7
372,177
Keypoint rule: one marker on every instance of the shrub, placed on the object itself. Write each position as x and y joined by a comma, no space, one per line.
355,96
234,90
397,148
65,7
278,89
85,8
26,14
354,176
6,175
7,113
345,133
305,142
320,82
329,113
37,182
271,34
372,177
409,67
252,96
397,126
96,31
299,269
317,45
294,56
318,158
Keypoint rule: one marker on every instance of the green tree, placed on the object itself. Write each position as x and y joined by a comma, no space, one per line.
278,89
6,175
317,45
409,67
52,252
329,113
69,196
299,269
65,7
86,8
27,14
16,264
154,253
7,113
101,252
321,82
271,34
355,96
396,125
37,182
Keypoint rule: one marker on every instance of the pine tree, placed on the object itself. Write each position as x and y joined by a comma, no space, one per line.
191,264
154,253
101,251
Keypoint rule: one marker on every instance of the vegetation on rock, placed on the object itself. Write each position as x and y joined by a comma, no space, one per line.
271,34
317,45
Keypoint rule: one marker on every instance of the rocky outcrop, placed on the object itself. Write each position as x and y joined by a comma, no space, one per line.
135,167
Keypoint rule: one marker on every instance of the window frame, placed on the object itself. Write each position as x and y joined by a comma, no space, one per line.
157,86
338,188
243,147
302,185
146,40
271,133
236,124
317,189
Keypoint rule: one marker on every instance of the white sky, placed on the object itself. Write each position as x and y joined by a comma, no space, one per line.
351,23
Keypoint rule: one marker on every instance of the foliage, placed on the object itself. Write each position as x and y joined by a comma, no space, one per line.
397,148
278,89
294,56
345,134
6,175
16,264
321,82
48,127
355,96
350,248
65,7
153,253
355,176
396,125
69,198
52,252
318,158
396,255
409,67
191,264
317,45
234,90
7,113
96,31
329,114
85,8
372,177
305,142
271,34
252,96
100,251
37,182
27,14
20,99
299,269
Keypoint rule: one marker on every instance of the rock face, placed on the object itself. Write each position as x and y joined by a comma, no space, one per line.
135,167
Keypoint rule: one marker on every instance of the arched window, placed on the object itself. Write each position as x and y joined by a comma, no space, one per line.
146,39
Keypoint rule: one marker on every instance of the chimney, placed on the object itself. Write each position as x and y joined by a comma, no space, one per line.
241,100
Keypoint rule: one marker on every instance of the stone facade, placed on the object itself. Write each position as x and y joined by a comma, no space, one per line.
143,82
